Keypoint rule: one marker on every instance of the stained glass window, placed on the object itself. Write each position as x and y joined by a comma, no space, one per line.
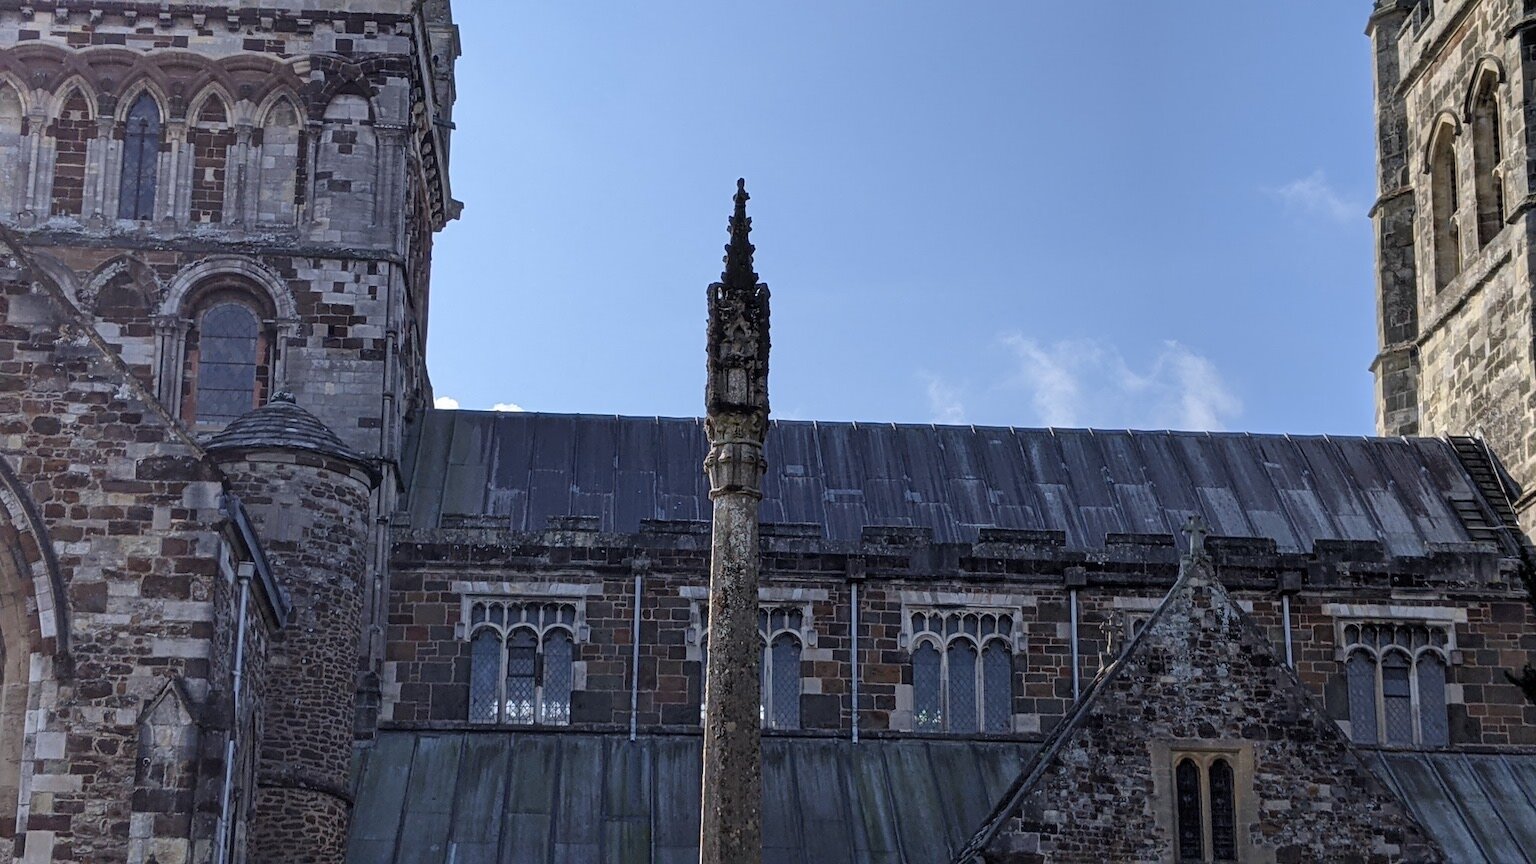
141,160
226,369
1191,831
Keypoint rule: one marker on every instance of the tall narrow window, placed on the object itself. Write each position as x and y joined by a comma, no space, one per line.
141,160
345,166
522,661
1223,815
227,359
781,629
997,687
13,172
962,671
72,132
926,714
484,669
211,137
1443,206
1487,154
1397,683
1187,791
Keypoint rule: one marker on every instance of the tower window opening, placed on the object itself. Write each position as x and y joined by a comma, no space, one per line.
1444,204
1487,156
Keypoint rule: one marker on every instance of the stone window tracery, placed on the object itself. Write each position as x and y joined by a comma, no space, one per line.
522,655
1397,682
962,669
141,160
784,631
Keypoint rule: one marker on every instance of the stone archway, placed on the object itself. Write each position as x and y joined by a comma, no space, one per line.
17,633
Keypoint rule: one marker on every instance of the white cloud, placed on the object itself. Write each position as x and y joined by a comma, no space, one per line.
944,401
1083,382
447,403
506,406
1314,195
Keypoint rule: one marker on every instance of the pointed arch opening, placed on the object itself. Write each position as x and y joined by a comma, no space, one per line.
345,166
142,140
1444,204
1487,157
211,138
13,123
71,133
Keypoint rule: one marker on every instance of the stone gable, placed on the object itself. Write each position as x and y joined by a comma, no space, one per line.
1200,678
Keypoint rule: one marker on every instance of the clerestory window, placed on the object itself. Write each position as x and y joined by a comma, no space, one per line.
141,160
521,666
228,357
781,634
962,671
1205,803
1396,673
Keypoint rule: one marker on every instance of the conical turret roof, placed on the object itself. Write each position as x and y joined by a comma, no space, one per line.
282,424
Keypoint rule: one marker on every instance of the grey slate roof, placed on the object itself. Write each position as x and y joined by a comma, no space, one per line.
282,424
954,480
499,797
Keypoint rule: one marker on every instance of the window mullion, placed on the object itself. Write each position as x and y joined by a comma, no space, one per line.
1413,697
944,688
501,679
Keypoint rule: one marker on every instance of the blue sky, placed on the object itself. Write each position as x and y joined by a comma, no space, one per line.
1112,214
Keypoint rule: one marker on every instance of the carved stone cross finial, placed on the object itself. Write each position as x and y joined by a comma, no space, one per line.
1197,531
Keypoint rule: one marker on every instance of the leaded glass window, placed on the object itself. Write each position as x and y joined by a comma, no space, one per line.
1191,831
1223,817
781,629
228,341
141,160
962,671
927,716
1397,682
1205,807
522,661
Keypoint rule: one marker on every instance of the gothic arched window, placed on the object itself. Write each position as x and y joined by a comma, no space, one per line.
141,160
1396,674
345,165
228,354
1487,154
1444,202
521,662
1205,808
962,671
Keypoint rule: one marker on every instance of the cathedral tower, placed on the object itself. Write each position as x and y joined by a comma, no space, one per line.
1454,222
204,204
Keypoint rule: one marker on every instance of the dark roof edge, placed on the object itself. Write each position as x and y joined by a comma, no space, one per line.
277,600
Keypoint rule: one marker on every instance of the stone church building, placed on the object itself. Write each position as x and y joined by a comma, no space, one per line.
259,602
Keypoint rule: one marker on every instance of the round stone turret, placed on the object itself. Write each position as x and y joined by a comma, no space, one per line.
309,497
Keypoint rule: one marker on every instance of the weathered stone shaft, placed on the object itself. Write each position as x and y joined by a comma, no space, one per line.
731,823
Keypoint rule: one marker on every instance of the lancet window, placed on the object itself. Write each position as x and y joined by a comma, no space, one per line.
1205,808
141,160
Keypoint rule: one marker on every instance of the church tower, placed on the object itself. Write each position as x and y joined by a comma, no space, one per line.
1454,222
205,205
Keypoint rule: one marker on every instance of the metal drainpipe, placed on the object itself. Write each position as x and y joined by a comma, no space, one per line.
1076,672
225,824
634,659
1285,610
853,618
